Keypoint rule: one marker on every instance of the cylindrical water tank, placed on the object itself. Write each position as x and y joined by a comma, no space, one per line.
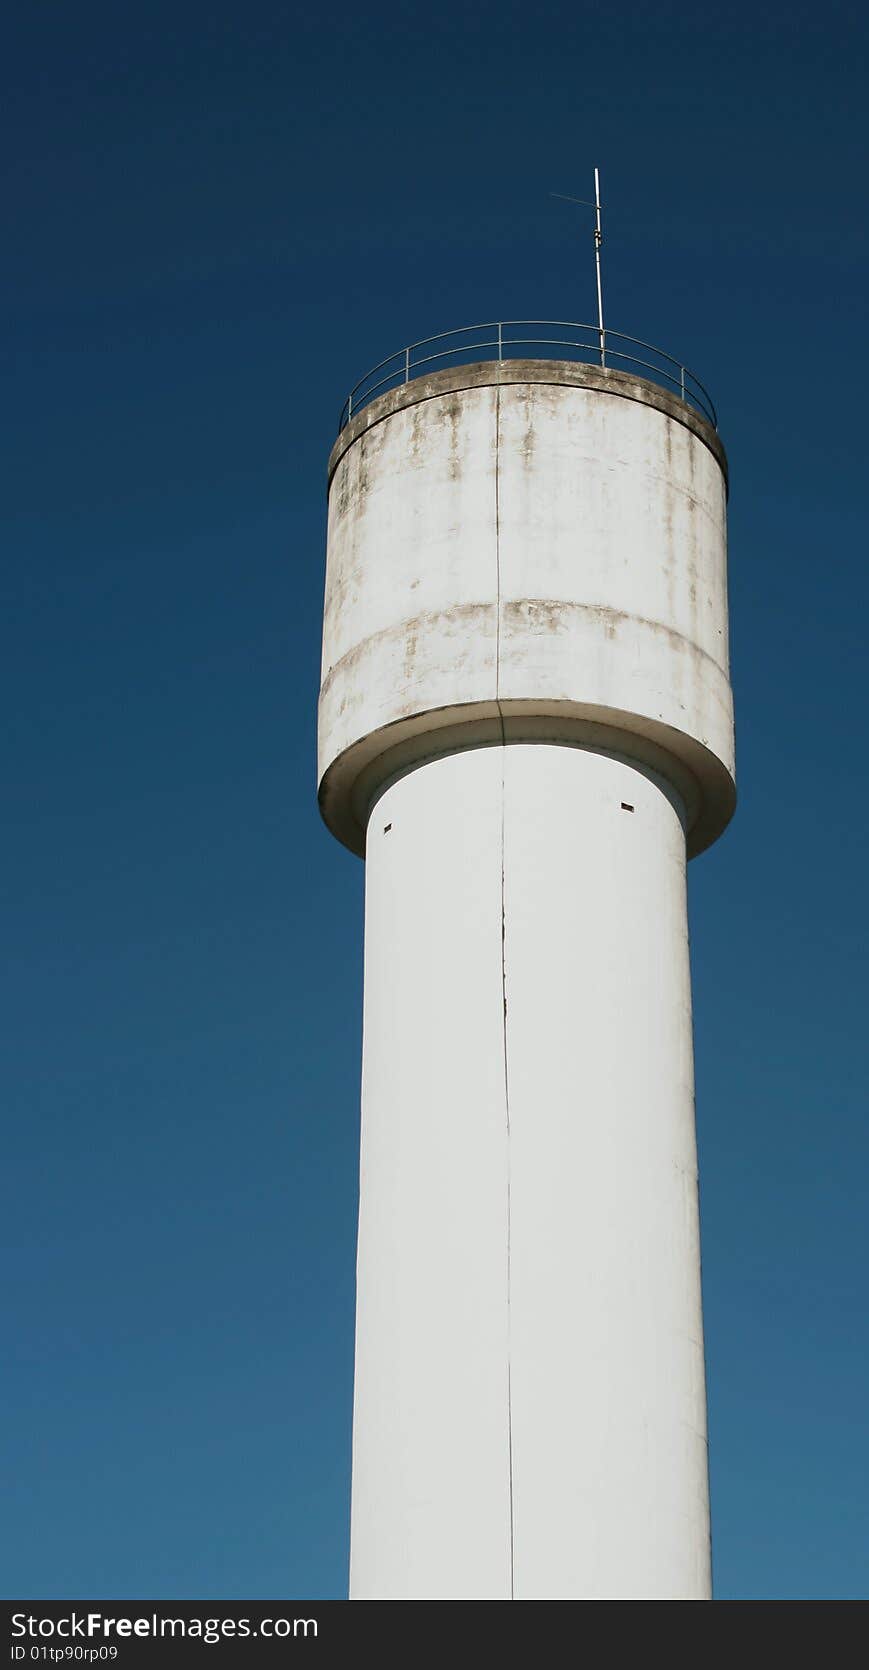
526,549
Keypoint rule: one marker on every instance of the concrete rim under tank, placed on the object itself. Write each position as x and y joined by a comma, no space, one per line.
354,781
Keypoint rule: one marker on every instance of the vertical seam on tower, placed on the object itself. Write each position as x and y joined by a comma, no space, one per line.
504,957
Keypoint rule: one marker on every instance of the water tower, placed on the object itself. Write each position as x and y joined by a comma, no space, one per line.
526,728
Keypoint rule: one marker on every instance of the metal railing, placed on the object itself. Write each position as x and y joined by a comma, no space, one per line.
586,343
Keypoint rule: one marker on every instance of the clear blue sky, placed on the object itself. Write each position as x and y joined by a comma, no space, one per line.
217,217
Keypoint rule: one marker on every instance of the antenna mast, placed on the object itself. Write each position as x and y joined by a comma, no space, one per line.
598,240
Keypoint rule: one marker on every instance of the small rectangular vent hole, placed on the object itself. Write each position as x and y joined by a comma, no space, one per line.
626,807
386,828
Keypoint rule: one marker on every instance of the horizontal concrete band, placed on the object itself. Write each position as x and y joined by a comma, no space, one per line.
353,781
503,373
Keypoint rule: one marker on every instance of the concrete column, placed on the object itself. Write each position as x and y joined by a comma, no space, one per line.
529,1409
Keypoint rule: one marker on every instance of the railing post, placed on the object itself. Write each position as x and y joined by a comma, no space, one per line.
349,407
407,365
500,343
603,348
682,369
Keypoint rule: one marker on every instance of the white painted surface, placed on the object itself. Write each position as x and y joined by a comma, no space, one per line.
529,1404
430,1499
551,551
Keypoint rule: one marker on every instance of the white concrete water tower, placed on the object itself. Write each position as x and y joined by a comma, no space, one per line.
526,727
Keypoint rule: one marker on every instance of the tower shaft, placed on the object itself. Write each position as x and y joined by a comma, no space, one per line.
530,1414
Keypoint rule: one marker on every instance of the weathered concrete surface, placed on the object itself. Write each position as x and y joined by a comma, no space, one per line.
526,549
501,373
529,1416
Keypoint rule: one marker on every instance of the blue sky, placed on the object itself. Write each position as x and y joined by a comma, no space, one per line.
217,217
